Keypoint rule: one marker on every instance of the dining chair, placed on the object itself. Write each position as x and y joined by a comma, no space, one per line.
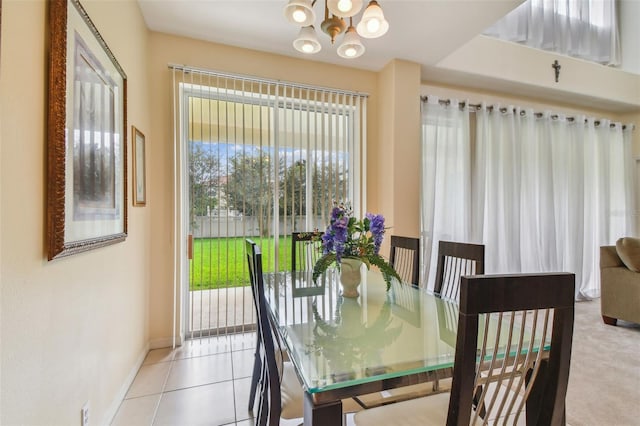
306,249
281,395
257,364
513,353
404,256
456,259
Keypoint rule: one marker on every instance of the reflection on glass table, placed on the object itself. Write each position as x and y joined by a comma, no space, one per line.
337,342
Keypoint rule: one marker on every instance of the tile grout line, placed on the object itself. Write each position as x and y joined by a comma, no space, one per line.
164,384
233,383
163,391
237,378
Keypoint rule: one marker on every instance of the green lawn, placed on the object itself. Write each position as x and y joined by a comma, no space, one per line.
222,262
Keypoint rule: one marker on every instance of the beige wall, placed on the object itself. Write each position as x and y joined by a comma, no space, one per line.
394,166
487,62
74,329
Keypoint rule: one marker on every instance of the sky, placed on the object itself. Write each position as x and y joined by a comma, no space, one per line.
224,151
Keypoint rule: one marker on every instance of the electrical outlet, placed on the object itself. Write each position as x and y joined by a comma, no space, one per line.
84,414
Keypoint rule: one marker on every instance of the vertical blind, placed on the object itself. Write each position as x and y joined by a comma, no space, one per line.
260,159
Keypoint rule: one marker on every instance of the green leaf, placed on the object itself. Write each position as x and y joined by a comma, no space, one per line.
387,270
388,273
322,264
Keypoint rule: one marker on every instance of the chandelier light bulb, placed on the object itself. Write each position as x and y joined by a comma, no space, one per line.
344,5
307,41
300,12
351,47
350,52
373,24
298,15
344,8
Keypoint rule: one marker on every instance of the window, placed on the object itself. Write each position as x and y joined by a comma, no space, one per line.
585,29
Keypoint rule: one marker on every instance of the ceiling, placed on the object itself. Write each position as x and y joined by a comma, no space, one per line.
421,31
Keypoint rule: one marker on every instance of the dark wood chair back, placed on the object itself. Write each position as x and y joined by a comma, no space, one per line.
270,400
500,379
455,260
306,249
257,364
405,258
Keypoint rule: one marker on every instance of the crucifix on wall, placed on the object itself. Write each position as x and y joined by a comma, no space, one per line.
556,66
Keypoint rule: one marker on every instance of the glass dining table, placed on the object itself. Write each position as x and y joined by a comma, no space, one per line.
343,347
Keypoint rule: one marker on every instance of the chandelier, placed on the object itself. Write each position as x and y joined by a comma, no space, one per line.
371,25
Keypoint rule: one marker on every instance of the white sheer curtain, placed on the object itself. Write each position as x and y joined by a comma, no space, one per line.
546,191
446,182
586,29
553,191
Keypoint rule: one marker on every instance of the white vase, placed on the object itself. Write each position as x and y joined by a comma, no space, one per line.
350,276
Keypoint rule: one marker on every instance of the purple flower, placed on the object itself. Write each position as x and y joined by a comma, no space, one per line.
376,226
336,235
346,236
327,242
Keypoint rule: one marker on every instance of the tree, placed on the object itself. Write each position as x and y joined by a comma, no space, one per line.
204,172
329,184
250,187
293,189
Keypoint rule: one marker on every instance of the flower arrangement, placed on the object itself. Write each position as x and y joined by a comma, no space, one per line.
348,237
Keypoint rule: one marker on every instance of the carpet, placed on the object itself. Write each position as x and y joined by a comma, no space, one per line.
604,381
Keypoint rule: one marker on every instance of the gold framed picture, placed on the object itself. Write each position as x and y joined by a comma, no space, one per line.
87,141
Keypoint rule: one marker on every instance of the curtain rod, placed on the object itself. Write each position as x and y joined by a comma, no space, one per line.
476,107
253,79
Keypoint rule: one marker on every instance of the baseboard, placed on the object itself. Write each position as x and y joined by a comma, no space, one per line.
122,392
165,342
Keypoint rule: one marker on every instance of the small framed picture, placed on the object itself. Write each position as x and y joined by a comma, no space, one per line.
139,168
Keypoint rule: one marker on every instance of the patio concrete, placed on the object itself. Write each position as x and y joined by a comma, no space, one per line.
227,309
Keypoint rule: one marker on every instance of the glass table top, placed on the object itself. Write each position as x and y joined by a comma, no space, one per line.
338,342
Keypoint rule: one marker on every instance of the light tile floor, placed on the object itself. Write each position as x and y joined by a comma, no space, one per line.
204,382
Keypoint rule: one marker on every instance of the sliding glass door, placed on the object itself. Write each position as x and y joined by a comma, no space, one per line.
262,160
